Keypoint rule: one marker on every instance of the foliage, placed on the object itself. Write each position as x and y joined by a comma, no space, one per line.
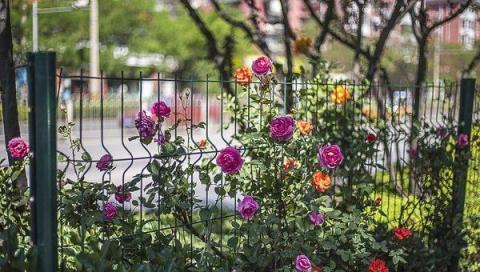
137,28
16,249
165,226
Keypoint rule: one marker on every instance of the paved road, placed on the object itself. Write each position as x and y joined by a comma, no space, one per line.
126,168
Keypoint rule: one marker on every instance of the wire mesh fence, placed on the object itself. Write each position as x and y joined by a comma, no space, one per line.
167,190
207,116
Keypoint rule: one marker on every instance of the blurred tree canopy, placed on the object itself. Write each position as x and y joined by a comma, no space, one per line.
128,29
171,38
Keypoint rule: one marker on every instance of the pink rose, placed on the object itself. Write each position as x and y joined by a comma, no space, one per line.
160,109
109,211
122,196
316,218
282,128
262,66
229,160
18,148
248,207
330,156
303,264
105,162
462,140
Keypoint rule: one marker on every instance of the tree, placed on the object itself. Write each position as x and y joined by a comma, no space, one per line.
335,27
422,27
7,76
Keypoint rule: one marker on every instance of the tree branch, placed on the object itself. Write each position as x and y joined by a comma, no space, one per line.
473,63
329,15
253,36
452,16
400,10
343,40
213,51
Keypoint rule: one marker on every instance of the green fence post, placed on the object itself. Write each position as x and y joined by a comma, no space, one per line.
43,167
467,92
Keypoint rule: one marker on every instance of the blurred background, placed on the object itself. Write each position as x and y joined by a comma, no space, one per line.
192,38
404,43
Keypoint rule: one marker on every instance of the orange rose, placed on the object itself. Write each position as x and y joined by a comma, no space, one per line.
202,144
340,95
368,112
243,75
302,45
321,181
305,127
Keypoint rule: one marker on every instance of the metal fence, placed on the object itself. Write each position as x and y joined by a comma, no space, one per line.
206,114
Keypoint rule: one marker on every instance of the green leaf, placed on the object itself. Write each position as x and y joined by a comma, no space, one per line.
86,156
232,242
155,168
220,191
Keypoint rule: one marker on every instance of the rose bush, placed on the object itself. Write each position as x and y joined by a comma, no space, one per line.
301,189
17,252
301,186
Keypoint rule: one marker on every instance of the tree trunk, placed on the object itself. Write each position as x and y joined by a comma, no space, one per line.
420,78
415,186
288,54
7,77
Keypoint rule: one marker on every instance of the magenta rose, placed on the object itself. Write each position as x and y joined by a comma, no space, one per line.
230,160
160,139
330,156
145,127
18,148
282,128
160,109
462,140
105,162
109,211
316,218
122,196
262,66
303,264
248,207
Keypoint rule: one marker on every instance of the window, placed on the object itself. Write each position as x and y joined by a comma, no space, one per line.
467,24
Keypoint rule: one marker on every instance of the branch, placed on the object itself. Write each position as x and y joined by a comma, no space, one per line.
345,41
213,51
329,15
289,34
400,10
254,37
221,60
452,16
473,63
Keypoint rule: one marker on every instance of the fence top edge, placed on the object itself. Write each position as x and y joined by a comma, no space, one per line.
333,83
